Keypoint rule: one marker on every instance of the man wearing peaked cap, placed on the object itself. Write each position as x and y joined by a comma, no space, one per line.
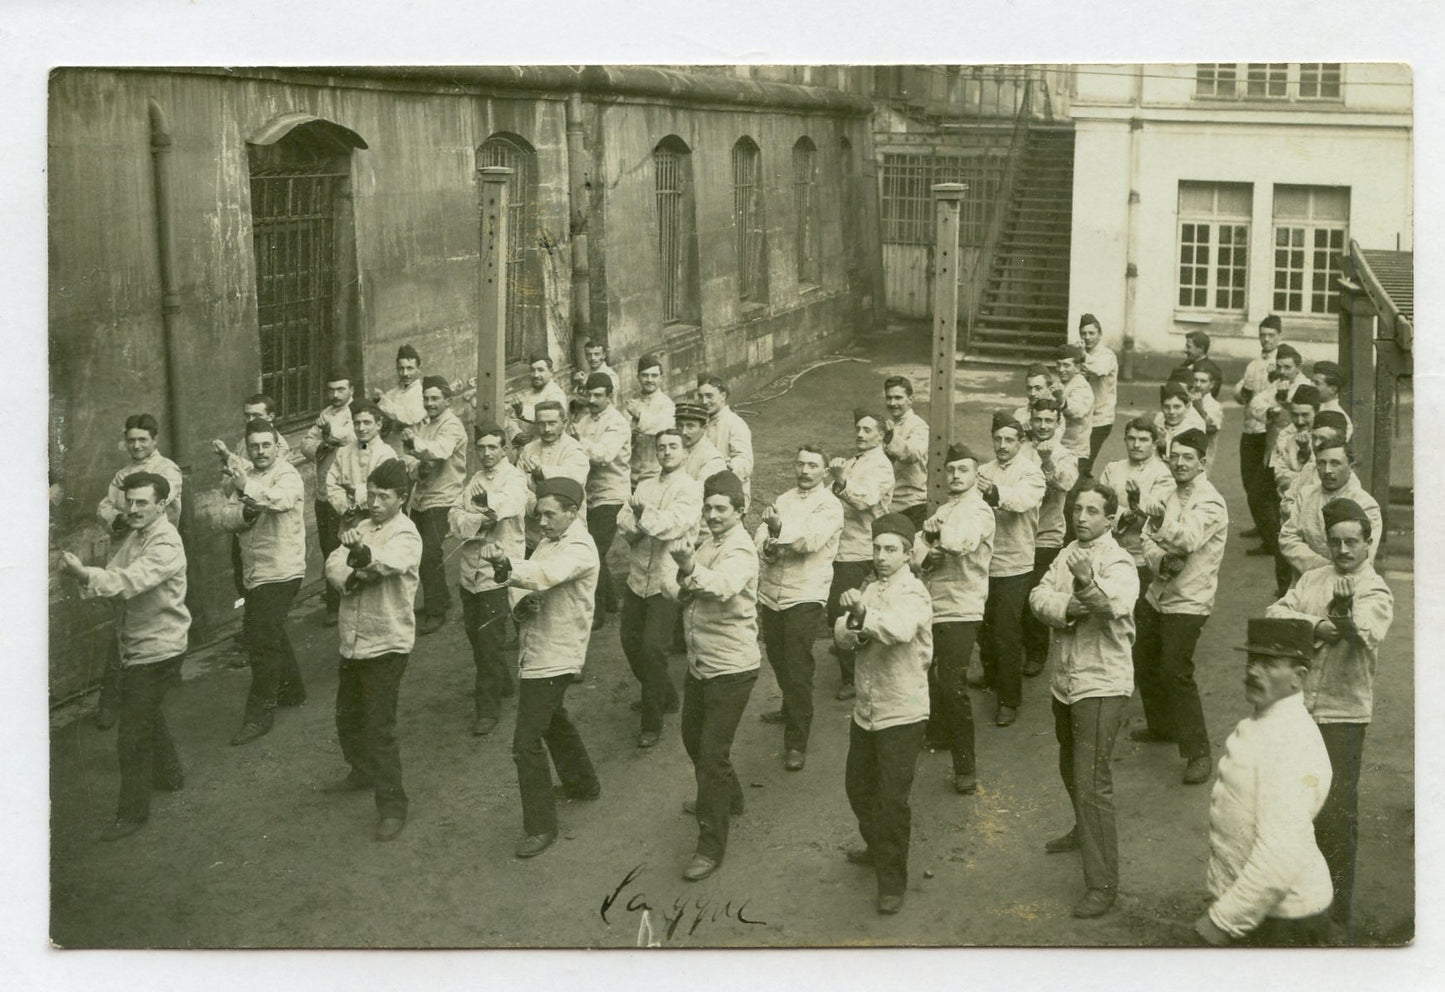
952,554
1273,779
1350,609
888,623
701,458
606,438
1183,543
649,411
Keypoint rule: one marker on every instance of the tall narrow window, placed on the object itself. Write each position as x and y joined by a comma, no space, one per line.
748,222
1214,245
848,201
526,316
676,241
298,184
805,174
1310,235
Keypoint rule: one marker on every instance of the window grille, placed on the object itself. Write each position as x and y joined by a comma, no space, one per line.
805,169
748,220
526,318
906,206
1310,234
1214,245
670,249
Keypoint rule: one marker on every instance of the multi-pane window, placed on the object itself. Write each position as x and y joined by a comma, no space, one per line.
748,222
1213,245
1267,80
526,317
676,253
296,190
906,204
1311,226
805,174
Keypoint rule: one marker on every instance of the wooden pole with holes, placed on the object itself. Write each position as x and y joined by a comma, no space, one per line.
947,201
492,299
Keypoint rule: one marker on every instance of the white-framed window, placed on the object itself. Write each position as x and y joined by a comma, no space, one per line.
1273,81
1213,246
1311,230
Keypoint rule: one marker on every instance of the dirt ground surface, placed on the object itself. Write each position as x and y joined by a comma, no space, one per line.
252,854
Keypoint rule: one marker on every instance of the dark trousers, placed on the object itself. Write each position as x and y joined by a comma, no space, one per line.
1035,631
1086,732
328,538
275,676
646,633
878,777
1269,507
366,694
432,524
950,720
788,636
846,575
484,616
711,709
1164,673
916,514
1337,825
144,745
1146,577
1097,437
543,728
1001,640
1251,474
602,525
1307,931
110,679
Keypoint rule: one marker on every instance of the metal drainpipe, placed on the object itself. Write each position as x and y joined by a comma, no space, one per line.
1131,248
578,196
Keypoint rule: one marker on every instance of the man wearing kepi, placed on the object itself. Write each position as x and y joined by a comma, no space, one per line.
488,511
267,511
1350,608
554,626
889,623
717,588
331,432
146,579
952,554
1087,599
1014,487
1184,546
864,485
907,450
437,448
1268,879
376,568
796,542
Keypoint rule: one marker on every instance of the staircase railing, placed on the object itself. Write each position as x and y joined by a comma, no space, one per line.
983,264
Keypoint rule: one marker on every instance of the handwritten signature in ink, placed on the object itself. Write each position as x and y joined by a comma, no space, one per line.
695,911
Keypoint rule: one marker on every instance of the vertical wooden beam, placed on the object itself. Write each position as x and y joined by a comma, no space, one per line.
947,201
492,298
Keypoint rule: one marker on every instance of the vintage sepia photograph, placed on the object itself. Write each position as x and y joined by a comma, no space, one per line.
731,506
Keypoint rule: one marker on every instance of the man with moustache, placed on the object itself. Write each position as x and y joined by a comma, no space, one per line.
952,555
650,411
863,483
488,511
437,451
1014,487
267,513
907,450
796,543
1303,541
701,458
331,432
1087,599
1270,884
1101,370
1349,609
1184,546
542,388
728,432
1061,473
606,440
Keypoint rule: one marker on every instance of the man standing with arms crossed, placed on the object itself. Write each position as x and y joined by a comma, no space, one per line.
1184,546
1087,599
488,510
268,513
796,543
146,578
907,450
437,448
665,512
1351,609
606,439
952,555
331,432
376,569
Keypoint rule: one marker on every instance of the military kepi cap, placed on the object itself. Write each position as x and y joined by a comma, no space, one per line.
690,411
1281,637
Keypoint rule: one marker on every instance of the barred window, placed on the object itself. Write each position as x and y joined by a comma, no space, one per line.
1319,80
526,329
676,243
1311,226
805,174
1214,245
749,223
906,206
298,185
